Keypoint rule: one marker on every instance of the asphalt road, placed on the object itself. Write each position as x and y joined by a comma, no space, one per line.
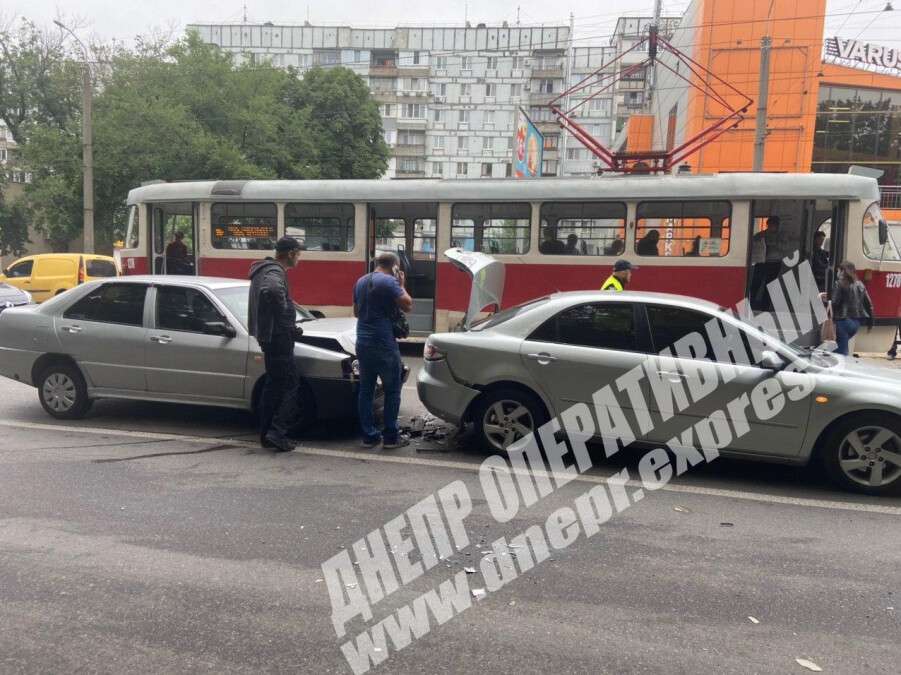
154,538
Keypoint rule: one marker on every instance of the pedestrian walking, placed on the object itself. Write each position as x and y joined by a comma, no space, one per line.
622,275
272,320
378,298
851,306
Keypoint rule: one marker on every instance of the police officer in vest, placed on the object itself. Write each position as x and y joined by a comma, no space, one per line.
622,275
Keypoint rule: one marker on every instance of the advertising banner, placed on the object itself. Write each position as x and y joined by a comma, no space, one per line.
528,148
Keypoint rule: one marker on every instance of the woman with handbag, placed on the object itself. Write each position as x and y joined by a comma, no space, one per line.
380,302
851,306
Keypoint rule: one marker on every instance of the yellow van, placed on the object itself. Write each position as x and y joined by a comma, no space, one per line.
50,274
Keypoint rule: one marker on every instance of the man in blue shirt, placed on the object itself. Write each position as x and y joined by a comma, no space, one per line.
377,297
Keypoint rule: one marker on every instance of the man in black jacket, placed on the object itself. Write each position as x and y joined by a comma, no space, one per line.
272,321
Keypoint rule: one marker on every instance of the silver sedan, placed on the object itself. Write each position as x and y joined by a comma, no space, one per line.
518,368
173,339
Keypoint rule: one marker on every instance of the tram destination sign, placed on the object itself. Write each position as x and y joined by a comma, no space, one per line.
864,54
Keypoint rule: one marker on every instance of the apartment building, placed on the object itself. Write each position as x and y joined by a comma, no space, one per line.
448,96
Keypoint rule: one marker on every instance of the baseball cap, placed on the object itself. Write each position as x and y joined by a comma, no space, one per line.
623,265
286,244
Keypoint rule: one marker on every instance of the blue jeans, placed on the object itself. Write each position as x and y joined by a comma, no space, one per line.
845,329
378,360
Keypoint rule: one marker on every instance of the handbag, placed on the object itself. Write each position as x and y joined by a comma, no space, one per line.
827,330
399,325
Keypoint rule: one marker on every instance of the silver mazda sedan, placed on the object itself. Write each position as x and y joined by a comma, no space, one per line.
511,372
174,339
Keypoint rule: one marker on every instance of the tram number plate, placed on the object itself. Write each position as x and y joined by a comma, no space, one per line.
893,280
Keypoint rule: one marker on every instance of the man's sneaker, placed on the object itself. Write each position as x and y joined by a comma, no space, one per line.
370,442
280,443
400,442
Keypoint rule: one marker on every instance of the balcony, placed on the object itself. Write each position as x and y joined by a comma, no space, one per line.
387,69
385,96
541,98
413,71
547,72
411,123
415,94
410,173
409,150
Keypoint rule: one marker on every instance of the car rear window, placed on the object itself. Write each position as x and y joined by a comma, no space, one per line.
100,268
506,314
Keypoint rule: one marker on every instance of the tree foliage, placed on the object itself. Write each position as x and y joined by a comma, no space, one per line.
187,112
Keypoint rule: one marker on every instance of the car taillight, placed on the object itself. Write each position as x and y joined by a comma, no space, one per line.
431,353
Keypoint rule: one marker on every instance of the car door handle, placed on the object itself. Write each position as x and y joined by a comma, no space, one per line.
542,357
71,329
161,339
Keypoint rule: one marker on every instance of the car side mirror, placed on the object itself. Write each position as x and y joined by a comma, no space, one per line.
219,328
883,232
771,360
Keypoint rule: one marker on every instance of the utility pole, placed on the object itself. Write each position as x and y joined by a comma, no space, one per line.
762,96
652,73
567,73
87,143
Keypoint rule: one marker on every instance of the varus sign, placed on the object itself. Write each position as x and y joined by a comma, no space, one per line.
888,58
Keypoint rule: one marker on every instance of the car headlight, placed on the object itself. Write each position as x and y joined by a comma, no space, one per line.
351,368
355,367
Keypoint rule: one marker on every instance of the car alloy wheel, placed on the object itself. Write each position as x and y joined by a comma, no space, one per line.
505,422
59,392
871,456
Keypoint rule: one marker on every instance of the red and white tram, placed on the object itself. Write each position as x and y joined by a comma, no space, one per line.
688,234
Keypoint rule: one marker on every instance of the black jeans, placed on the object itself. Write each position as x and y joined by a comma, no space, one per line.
279,408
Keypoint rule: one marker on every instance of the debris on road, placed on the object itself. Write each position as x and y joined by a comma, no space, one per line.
433,434
478,593
810,665
681,509
469,570
727,524
753,619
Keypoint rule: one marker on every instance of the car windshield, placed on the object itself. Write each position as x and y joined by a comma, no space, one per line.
506,314
237,300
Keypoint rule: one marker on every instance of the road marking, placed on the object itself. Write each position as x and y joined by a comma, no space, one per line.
465,466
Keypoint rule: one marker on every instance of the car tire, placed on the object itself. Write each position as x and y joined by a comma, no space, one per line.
503,416
854,461
63,392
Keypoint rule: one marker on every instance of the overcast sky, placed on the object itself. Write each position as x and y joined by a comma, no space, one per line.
103,19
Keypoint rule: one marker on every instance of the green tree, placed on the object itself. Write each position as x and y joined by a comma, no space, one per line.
13,227
38,85
344,121
186,112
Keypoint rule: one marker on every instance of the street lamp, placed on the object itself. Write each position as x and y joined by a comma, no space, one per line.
87,143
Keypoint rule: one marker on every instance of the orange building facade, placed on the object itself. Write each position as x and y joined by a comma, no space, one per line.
821,116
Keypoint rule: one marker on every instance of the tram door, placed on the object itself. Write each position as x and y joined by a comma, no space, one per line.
410,231
174,237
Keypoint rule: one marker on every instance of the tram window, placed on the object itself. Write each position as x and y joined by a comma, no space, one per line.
321,227
872,249
133,234
500,228
244,226
424,233
583,228
390,234
683,229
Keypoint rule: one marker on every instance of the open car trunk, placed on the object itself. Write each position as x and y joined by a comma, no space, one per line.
486,281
